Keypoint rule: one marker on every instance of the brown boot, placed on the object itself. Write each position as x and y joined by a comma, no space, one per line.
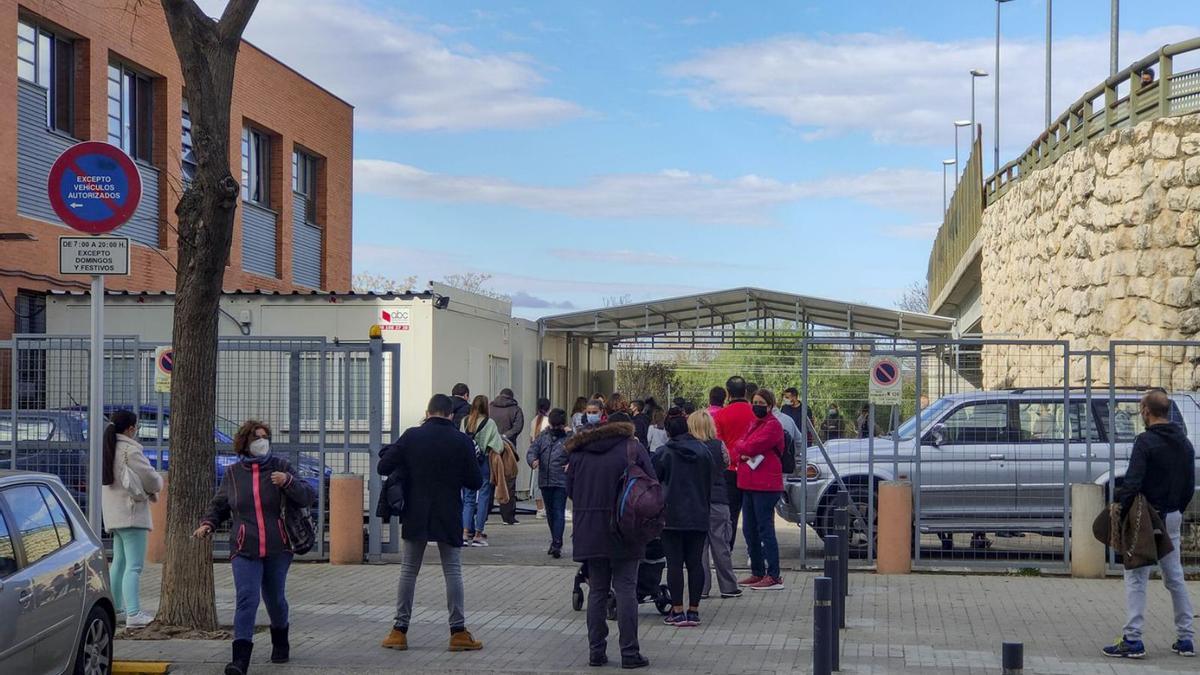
462,641
396,640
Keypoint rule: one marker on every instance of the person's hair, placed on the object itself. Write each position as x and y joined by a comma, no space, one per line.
119,423
716,396
678,402
580,405
866,408
598,396
766,395
651,405
1158,404
507,392
543,406
1147,71
460,389
619,417
658,418
479,412
700,424
596,403
440,405
558,418
246,434
793,391
751,389
676,422
736,386
689,408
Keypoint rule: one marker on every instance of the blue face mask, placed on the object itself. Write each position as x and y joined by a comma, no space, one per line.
593,418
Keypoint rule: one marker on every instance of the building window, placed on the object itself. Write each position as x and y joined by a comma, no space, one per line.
48,61
130,111
256,174
304,183
187,153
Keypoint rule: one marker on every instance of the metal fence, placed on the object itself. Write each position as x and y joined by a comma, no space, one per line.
329,406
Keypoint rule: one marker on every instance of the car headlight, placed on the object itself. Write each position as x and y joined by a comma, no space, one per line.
812,472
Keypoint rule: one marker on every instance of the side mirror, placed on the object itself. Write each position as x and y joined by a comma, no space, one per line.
937,435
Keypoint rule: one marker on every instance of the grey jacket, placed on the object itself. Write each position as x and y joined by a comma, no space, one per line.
549,449
508,416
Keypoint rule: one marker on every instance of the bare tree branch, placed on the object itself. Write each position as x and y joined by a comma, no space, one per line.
235,17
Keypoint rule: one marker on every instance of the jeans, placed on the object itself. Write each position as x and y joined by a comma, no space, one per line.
619,577
477,502
125,574
412,554
735,505
685,548
1172,574
555,500
719,528
758,527
254,577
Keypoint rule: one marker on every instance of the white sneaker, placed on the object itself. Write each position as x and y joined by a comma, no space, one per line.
479,543
541,514
139,620
568,516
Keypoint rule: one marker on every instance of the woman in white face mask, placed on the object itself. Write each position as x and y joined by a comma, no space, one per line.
252,496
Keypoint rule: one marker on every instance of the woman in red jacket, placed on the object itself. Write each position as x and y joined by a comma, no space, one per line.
760,479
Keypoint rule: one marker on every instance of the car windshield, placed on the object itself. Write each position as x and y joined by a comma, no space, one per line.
909,428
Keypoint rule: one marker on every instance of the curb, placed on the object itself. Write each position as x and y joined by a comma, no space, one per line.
140,667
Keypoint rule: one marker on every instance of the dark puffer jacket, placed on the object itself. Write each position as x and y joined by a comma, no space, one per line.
255,505
550,451
685,468
596,458
508,416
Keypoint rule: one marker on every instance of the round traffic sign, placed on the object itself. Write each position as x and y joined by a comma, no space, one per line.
885,373
166,361
94,187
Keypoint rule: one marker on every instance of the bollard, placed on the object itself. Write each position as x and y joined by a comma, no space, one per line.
893,555
1087,553
841,518
822,626
1013,656
833,571
156,542
345,519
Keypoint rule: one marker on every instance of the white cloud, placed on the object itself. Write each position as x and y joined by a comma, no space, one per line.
915,231
696,20
749,200
898,88
398,77
523,299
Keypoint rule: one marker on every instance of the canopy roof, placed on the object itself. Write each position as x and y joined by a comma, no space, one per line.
744,309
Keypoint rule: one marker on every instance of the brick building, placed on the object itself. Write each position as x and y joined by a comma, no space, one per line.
90,71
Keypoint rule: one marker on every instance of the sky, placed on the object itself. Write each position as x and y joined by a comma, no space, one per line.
579,152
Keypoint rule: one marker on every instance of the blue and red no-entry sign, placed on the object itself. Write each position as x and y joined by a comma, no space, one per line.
94,187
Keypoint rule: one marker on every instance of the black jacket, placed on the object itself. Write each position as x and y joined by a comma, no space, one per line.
1162,467
249,499
719,493
434,462
596,458
459,412
685,468
641,428
509,418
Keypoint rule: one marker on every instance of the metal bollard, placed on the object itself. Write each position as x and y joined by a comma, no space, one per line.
1013,655
841,520
822,626
833,571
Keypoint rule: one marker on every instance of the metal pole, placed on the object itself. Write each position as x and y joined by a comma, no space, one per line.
1049,36
945,204
996,102
803,455
916,474
1114,42
833,573
842,524
375,439
871,483
974,127
1066,469
823,630
1013,656
96,405
955,157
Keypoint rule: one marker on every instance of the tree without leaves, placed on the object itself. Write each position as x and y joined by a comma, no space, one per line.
207,51
473,282
377,283
915,298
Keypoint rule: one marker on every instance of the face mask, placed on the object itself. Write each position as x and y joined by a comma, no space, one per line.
259,447
593,418
832,411
760,411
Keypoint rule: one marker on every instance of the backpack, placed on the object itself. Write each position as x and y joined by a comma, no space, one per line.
788,458
480,455
639,514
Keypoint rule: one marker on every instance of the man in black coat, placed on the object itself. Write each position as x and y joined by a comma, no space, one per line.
460,396
434,463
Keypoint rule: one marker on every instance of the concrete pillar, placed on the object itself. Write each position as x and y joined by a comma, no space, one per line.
345,519
156,543
1087,554
894,542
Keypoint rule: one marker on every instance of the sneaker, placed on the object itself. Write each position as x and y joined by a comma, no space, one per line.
138,620
1183,648
691,619
541,514
479,542
463,641
396,639
1126,649
750,580
768,584
735,593
674,619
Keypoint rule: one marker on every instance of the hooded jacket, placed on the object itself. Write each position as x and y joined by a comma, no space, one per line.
765,437
685,468
508,416
596,459
1163,468
459,410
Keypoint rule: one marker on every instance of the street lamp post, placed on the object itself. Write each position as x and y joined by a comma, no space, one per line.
1113,41
996,103
975,75
946,164
958,124
1049,34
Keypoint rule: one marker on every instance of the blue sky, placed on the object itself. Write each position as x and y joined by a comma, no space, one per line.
583,150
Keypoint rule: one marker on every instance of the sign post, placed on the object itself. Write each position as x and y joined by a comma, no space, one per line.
886,381
164,363
94,188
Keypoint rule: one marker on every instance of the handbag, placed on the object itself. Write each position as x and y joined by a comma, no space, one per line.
131,482
299,527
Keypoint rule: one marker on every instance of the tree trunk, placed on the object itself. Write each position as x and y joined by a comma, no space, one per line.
207,52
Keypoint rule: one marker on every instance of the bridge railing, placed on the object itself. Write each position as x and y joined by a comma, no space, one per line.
960,224
1101,110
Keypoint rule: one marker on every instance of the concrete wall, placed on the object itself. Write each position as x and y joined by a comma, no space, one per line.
1100,246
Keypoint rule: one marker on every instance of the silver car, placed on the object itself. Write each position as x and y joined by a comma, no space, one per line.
990,461
54,596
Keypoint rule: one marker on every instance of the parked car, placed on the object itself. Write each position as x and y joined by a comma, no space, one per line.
54,593
991,461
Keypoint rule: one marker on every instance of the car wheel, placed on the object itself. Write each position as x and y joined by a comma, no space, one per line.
95,651
859,532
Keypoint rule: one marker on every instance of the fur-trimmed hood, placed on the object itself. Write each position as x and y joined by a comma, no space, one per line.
613,432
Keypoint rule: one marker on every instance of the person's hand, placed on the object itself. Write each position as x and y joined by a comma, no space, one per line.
536,463
279,478
743,458
153,496
203,531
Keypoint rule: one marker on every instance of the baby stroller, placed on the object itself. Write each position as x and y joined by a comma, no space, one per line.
650,588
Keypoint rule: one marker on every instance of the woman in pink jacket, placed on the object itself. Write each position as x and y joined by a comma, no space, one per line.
760,479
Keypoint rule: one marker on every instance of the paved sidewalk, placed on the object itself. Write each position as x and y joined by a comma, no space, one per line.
916,624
